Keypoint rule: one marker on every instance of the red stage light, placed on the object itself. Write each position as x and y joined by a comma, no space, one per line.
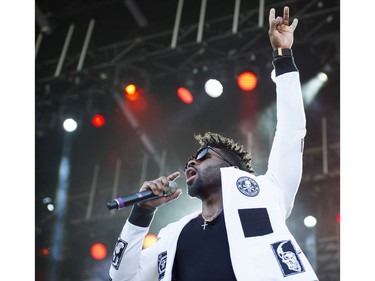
247,81
98,120
131,92
44,252
98,251
184,95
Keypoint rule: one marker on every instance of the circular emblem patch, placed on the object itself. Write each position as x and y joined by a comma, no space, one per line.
247,186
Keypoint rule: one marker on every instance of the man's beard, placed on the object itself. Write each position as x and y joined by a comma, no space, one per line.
203,185
196,188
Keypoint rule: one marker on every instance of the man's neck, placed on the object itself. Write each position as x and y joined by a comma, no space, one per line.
212,205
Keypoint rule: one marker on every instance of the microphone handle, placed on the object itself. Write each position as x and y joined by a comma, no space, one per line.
129,200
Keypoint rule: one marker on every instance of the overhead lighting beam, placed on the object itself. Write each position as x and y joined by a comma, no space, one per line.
136,12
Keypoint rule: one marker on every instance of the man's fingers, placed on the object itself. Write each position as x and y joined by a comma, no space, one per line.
286,15
277,21
174,176
294,24
274,22
160,185
271,15
153,187
175,194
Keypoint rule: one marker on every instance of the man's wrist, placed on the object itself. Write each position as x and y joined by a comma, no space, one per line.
282,52
141,216
284,64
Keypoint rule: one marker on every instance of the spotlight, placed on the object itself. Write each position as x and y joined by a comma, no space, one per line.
70,113
149,240
321,76
130,89
98,120
213,88
98,251
312,87
131,92
44,251
50,207
70,125
185,95
46,200
247,81
309,221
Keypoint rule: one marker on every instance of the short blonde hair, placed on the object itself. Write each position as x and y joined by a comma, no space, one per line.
240,156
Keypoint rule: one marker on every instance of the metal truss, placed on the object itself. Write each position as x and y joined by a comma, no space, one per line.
155,56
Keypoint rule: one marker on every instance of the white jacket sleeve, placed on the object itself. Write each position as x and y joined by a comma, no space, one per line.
129,261
285,160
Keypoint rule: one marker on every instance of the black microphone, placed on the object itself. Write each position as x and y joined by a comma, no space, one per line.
129,200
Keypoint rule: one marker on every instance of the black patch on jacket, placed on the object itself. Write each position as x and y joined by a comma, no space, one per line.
255,222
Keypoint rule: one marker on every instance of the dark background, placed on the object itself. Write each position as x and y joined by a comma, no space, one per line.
123,155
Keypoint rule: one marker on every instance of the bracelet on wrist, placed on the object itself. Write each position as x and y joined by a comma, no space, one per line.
282,52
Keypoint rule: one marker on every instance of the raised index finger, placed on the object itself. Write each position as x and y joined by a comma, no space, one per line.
174,176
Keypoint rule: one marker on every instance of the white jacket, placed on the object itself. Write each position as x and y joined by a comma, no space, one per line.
255,211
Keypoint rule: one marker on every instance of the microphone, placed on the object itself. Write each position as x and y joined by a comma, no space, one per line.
129,200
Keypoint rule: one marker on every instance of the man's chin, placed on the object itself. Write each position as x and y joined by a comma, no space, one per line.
190,192
193,190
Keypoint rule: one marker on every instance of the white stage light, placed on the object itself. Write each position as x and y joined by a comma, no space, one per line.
213,88
70,125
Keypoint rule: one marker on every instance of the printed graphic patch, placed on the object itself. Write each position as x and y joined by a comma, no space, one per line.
247,186
162,264
287,258
118,252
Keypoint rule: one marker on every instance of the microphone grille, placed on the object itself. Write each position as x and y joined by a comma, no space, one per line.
172,188
172,184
